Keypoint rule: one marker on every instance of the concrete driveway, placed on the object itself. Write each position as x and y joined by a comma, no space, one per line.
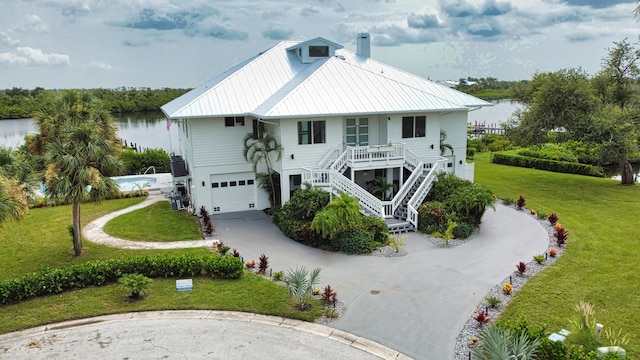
416,304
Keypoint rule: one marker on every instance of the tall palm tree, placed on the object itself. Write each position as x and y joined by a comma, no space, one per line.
79,153
265,148
12,201
444,146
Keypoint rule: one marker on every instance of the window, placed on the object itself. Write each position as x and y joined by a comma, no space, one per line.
232,183
215,185
241,183
249,182
311,132
295,182
223,184
234,121
257,129
414,126
318,51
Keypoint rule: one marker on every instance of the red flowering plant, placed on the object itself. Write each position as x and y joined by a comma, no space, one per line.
433,217
481,318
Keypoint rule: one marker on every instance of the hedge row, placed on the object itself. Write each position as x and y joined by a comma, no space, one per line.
550,165
96,273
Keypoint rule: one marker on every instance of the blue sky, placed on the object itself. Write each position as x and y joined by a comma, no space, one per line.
183,43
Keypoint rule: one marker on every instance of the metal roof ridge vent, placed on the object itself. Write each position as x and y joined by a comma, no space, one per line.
341,57
363,45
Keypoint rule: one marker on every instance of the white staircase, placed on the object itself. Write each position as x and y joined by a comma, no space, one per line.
400,213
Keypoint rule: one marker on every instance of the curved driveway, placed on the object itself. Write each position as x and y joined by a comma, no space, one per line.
416,304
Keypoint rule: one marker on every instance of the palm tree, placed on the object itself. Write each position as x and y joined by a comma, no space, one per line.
380,187
12,202
470,202
444,146
263,148
636,11
343,212
79,153
497,343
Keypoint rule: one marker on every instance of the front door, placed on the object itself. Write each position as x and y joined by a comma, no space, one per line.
357,132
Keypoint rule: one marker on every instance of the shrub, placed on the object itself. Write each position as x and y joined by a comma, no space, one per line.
137,162
433,217
521,267
264,264
137,285
471,152
448,234
538,258
353,241
550,165
470,202
553,218
481,318
250,264
520,203
507,288
561,235
224,267
445,185
203,212
553,252
209,229
500,145
541,215
235,253
508,201
549,152
300,285
493,301
96,273
278,275
378,227
329,296
463,230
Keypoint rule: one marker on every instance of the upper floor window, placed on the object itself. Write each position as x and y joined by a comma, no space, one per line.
414,126
258,129
234,121
311,132
318,51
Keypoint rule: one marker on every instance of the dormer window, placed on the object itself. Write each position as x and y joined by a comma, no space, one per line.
318,51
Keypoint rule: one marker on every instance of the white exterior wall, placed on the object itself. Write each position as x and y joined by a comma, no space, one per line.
420,146
455,124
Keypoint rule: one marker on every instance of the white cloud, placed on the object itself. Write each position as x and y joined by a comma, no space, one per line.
100,65
27,56
33,23
6,40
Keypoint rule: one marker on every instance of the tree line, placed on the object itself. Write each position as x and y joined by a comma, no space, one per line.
17,103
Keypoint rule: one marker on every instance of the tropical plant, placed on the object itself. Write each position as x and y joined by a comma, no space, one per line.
470,202
538,258
520,202
263,265
203,212
583,326
278,275
137,285
329,296
507,288
561,235
493,301
397,242
235,253
13,204
498,343
553,252
481,318
521,267
77,140
444,146
448,234
265,148
300,285
380,188
553,218
341,213
250,264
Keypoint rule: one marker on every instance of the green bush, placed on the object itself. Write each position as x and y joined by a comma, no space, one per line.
304,204
550,165
445,185
226,267
550,152
137,162
137,285
500,145
96,273
463,230
353,241
433,217
378,227
471,152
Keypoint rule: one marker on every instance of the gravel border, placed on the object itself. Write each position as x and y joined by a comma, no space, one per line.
471,328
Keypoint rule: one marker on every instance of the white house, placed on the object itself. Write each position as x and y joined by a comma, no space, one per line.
342,118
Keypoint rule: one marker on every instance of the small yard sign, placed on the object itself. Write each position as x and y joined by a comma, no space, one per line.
184,285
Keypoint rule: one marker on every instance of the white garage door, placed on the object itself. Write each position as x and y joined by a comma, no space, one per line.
233,192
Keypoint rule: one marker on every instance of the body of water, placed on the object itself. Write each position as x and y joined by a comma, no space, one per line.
149,130
146,130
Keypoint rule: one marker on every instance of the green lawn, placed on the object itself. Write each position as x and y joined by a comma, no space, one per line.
42,239
155,223
600,265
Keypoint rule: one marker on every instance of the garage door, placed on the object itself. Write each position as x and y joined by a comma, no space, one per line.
233,192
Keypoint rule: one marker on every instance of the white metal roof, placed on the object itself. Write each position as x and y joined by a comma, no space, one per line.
276,84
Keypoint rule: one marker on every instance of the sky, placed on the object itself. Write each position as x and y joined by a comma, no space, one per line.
184,43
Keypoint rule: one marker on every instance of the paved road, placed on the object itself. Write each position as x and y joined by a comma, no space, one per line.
415,304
